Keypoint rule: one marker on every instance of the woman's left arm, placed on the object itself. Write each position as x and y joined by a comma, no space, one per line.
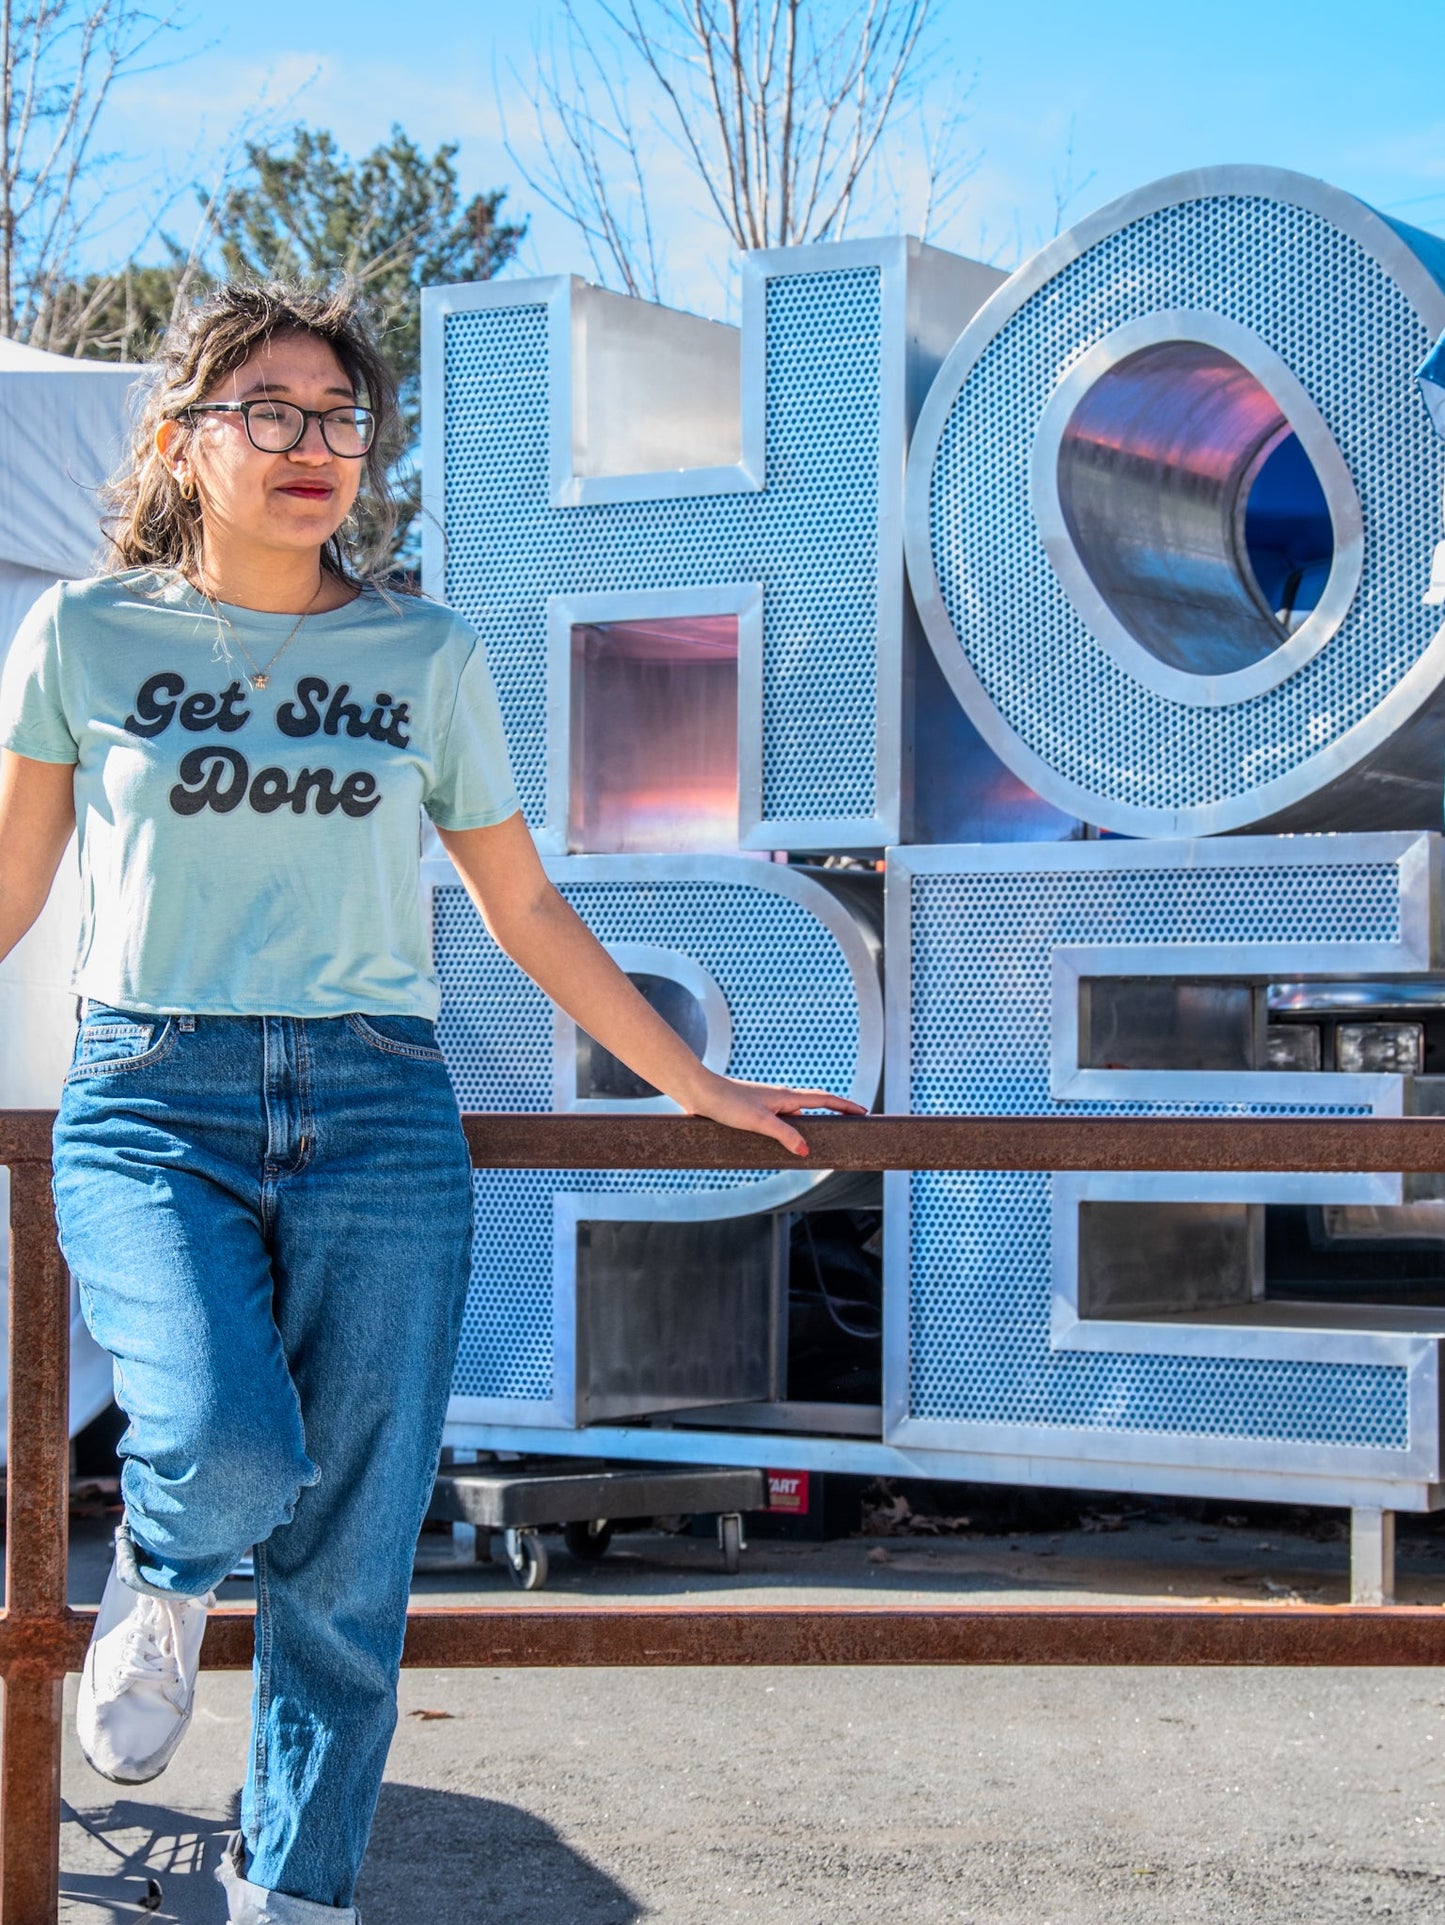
528,918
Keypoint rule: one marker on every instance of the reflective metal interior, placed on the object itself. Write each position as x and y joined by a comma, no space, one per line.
1389,1049
1150,1260
654,736
1293,1046
1419,1222
1168,1258
674,1315
1155,1023
1383,1028
1419,993
956,789
601,1077
652,388
1169,1023
1193,508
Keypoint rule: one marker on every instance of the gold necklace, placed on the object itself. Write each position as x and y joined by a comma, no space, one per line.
259,678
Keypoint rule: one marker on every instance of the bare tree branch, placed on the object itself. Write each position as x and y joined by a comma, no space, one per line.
1067,185
948,169
875,105
61,61
581,151
112,315
779,108
787,172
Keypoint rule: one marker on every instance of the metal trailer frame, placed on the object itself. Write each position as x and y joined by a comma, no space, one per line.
520,1500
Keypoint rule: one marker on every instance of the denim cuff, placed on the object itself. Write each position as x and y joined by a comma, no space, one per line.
127,1566
248,1904
128,1554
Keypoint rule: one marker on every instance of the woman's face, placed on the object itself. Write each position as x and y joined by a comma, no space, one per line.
291,501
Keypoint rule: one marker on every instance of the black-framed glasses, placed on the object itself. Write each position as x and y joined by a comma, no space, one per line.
276,427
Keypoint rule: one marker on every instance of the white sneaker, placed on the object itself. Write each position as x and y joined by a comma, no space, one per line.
138,1684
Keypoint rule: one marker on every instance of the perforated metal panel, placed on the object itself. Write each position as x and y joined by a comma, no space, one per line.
972,1027
802,993
810,536
979,1308
982,1019
1322,283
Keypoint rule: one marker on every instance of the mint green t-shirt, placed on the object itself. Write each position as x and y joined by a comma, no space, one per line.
249,851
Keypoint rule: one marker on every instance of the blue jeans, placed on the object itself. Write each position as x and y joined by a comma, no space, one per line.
269,1220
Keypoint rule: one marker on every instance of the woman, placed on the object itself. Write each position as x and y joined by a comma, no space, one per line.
261,1183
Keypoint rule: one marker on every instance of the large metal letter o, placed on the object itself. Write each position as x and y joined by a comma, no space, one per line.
1170,511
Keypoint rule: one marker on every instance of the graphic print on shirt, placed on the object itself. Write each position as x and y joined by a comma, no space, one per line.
217,776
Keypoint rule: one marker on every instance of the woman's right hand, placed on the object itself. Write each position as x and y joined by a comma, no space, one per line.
762,1107
37,816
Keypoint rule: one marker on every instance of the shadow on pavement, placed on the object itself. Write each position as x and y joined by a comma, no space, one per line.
441,1856
452,1859
124,1846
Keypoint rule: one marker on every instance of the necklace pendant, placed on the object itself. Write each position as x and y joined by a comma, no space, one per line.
259,681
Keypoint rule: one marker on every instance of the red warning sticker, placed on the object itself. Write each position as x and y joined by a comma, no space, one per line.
787,1490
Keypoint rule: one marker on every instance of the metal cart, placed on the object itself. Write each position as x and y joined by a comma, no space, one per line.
584,1498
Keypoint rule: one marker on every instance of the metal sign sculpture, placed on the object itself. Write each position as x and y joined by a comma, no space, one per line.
1122,1322
1171,506
1169,515
770,973
597,460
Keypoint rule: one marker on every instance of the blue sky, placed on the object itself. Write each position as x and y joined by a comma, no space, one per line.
1144,88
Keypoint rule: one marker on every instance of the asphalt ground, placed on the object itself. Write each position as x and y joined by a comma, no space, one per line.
975,1797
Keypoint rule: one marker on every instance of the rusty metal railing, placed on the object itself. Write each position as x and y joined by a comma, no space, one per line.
41,1638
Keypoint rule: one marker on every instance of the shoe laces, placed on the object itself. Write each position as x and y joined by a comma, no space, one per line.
150,1652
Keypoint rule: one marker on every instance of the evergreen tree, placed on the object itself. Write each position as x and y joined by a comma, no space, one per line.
395,221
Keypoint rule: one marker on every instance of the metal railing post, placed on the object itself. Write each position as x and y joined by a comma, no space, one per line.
36,1542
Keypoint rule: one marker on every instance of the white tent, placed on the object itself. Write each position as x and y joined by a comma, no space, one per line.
62,430
62,427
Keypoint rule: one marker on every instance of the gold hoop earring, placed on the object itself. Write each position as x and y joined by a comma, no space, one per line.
187,487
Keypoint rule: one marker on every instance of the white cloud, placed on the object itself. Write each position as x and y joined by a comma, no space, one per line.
184,120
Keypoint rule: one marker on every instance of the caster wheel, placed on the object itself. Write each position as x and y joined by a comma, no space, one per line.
526,1559
588,1540
730,1542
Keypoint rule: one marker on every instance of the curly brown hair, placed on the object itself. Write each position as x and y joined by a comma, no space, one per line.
149,522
